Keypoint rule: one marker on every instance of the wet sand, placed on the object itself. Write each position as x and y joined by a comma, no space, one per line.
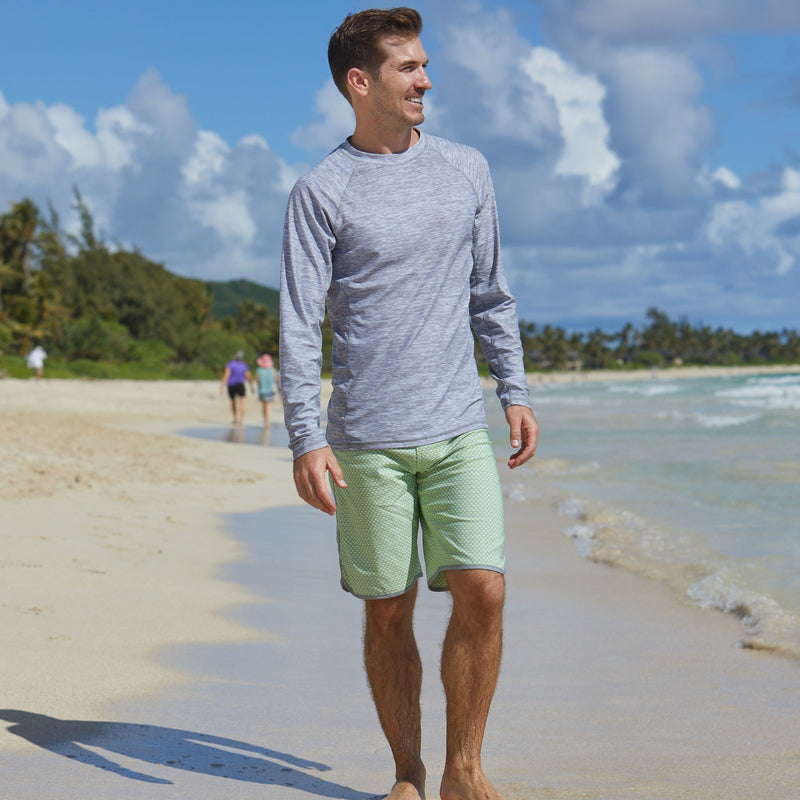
172,588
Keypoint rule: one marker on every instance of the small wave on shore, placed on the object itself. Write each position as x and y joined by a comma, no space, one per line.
645,389
766,392
720,420
691,482
620,538
767,625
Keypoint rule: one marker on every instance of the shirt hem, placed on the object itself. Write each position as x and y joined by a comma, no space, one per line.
403,443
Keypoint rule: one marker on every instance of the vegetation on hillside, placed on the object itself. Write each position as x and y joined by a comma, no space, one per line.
104,312
227,296
112,312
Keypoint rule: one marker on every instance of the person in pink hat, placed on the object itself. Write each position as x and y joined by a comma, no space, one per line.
268,384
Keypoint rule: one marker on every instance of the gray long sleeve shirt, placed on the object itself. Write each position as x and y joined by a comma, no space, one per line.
404,248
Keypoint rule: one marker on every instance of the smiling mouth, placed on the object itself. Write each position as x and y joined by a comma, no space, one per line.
415,100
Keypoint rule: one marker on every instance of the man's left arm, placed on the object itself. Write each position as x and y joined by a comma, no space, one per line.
494,320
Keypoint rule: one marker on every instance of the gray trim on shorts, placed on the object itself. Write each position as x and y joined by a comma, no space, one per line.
438,572
431,588
408,588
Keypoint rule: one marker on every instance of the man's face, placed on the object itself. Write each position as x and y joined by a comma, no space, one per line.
401,83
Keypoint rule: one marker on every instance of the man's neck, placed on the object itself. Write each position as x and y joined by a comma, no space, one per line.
383,143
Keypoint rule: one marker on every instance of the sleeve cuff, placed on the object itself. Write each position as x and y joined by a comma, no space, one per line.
307,444
516,398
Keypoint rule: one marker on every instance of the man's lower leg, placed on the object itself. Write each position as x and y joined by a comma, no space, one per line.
470,667
394,671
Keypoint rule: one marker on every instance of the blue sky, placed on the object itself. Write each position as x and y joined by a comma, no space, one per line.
643,153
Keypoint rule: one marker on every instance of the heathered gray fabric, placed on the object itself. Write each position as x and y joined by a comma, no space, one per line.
405,249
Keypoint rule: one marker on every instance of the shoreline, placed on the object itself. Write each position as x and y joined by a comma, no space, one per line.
117,550
113,538
662,373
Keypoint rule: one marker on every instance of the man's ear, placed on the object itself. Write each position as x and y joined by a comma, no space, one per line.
359,81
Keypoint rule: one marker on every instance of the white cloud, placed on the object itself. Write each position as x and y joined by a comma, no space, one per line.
117,129
334,121
228,215
726,178
207,160
664,20
485,86
598,148
71,135
579,102
752,226
660,130
153,179
28,148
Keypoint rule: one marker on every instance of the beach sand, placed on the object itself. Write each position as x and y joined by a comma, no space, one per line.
172,626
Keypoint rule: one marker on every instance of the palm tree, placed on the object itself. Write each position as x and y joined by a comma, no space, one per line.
18,237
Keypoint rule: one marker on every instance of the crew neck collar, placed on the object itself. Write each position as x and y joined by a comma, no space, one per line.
395,158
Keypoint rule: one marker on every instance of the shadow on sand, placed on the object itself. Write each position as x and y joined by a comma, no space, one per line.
170,747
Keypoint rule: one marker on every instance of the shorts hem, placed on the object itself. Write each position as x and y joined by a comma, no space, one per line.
489,567
349,589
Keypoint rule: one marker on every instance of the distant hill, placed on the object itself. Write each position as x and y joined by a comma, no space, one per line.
229,294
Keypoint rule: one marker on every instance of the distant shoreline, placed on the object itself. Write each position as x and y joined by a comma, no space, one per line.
557,376
661,373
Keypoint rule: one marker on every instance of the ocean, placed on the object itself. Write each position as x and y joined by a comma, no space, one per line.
690,481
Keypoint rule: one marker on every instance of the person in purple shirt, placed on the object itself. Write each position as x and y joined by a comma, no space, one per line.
234,377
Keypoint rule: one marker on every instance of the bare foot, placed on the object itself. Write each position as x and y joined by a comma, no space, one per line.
406,790
463,786
411,786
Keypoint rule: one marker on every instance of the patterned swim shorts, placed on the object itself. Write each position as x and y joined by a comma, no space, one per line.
450,489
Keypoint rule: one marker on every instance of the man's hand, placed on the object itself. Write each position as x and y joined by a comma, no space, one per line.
311,480
524,434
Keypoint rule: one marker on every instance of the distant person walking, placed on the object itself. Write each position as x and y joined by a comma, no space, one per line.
234,377
35,361
268,384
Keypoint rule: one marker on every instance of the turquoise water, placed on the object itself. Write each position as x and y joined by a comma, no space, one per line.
690,481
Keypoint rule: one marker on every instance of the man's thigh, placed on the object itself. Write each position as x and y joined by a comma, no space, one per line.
461,508
377,521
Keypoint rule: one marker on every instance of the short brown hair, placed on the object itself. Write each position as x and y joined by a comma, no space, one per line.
357,41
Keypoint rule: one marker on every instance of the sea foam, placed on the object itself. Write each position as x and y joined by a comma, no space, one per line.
766,393
766,624
645,389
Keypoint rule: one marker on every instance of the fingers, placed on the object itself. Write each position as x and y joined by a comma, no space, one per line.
525,453
524,434
310,478
312,488
336,473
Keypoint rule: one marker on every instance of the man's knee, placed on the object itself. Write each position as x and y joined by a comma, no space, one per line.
390,615
478,594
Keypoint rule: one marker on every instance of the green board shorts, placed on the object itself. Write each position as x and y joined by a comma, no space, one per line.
450,489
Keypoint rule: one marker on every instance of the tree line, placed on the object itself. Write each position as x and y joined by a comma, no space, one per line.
660,342
111,312
106,312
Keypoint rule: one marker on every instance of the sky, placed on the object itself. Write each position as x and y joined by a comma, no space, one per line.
643,153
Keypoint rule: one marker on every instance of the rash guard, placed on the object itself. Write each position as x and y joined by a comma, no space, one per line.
404,249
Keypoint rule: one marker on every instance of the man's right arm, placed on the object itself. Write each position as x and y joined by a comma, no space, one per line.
306,268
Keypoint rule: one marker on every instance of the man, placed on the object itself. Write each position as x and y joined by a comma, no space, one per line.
397,232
